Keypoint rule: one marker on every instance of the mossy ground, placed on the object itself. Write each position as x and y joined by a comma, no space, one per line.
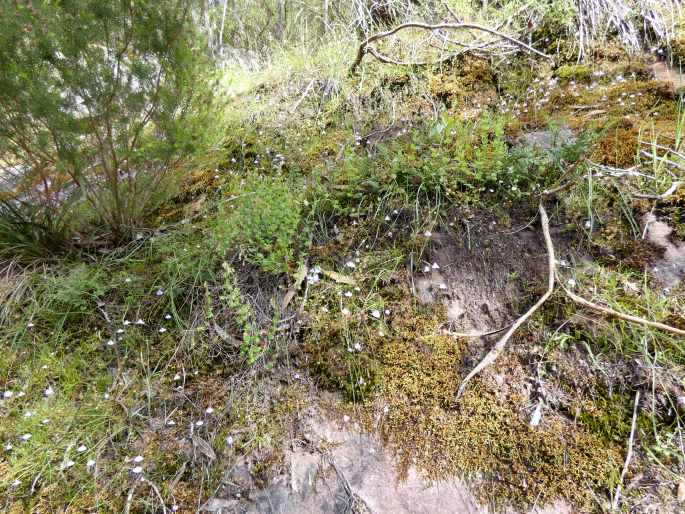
371,206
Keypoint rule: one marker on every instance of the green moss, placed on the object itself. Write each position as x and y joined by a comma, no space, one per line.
578,72
480,435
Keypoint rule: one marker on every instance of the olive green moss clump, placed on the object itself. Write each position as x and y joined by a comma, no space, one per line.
481,436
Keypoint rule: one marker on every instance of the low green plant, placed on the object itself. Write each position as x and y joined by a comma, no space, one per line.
28,231
263,223
72,296
243,316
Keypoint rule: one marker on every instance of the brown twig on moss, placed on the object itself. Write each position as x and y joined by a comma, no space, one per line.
365,47
499,346
552,275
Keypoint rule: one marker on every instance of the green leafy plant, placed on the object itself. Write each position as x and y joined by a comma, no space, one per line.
263,222
243,316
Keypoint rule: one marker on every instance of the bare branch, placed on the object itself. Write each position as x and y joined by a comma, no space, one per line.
365,47
499,346
620,315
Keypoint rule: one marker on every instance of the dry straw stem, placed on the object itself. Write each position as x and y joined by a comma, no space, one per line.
552,273
617,496
365,47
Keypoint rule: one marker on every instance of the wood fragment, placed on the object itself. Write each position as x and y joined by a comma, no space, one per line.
499,346
365,47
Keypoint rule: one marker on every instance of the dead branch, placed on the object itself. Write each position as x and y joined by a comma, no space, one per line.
365,47
499,346
620,315
674,187
552,275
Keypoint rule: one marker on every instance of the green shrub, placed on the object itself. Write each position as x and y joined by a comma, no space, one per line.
263,223
95,103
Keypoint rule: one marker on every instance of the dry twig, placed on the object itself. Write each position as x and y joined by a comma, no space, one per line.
499,346
552,274
366,47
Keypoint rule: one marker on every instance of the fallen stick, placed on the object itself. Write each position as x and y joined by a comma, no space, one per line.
552,274
499,346
620,315
365,47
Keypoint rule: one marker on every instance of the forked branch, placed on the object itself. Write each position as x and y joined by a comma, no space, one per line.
365,47
552,275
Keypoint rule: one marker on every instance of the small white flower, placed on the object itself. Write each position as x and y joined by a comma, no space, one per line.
28,414
571,282
8,447
120,331
106,396
358,347
199,423
428,233
138,459
174,508
349,349
229,440
387,218
387,312
350,264
171,423
7,394
162,330
26,437
110,342
140,322
381,333
21,394
443,286
30,325
346,311
126,322
435,265
209,410
82,448
426,269
45,421
127,280
167,316
346,418
376,313
67,464
90,463
49,391
177,377
386,409
348,294
137,470
588,224
159,292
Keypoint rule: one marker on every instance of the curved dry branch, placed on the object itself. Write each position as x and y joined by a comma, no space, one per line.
552,274
626,317
499,346
365,47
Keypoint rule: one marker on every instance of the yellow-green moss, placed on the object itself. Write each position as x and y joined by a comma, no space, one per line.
578,72
481,435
